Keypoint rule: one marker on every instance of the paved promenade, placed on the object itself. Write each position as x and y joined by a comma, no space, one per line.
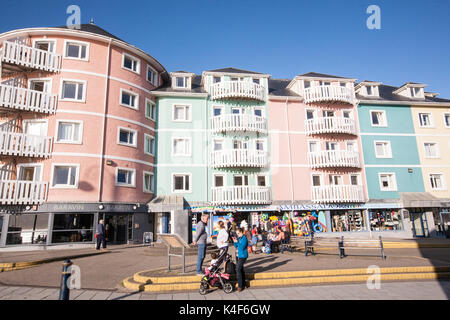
429,290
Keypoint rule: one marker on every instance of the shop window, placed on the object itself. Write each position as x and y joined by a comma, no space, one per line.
72,227
350,221
385,220
27,229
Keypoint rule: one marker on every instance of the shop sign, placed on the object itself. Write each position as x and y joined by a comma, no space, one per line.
319,207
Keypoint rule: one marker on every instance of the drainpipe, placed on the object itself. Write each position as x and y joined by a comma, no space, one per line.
102,165
289,150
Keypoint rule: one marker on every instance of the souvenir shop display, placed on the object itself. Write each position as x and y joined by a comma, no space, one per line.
347,221
385,220
306,223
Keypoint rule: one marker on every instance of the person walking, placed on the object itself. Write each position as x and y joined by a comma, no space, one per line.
222,239
241,243
200,240
100,235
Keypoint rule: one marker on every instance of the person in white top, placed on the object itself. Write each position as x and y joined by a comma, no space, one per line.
222,239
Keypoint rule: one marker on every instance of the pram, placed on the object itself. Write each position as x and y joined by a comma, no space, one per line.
215,277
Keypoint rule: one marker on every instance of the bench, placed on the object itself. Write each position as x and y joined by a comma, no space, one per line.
358,244
311,243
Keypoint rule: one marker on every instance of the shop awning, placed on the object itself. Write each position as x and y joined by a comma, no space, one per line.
420,200
166,203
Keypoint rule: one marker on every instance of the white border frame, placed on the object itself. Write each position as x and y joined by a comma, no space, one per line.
41,80
80,122
155,74
438,149
147,101
134,145
385,125
27,165
77,176
55,41
118,184
359,177
257,175
216,106
444,183
186,82
223,175
76,42
181,105
184,182
445,125
84,82
431,126
138,66
321,177
152,187
243,180
389,156
393,188
152,153
25,121
189,139
122,91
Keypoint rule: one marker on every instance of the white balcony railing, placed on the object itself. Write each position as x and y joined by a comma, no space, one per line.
239,158
25,145
337,194
330,125
22,55
328,93
23,192
241,195
237,89
334,158
239,122
27,100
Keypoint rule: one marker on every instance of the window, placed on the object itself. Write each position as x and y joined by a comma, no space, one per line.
127,137
259,145
240,145
150,109
431,150
437,181
383,149
370,90
181,183
148,186
354,180
324,83
335,180
351,146
447,119
73,90
347,114
316,180
425,120
129,99
256,81
217,111
261,181
125,177
76,50
73,227
343,84
327,113
241,180
152,76
131,63
378,118
387,182
27,229
45,45
416,92
309,114
65,176
69,131
218,145
306,84
258,112
217,79
181,147
382,220
149,144
181,113
181,82
218,181
313,146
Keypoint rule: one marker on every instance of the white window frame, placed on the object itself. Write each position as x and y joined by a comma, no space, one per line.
358,177
314,111
332,176
80,43
443,182
152,186
218,141
350,113
318,142
77,176
184,182
134,145
263,114
431,120
224,180
242,175
222,108
265,180
152,152
25,121
412,92
147,101
320,175
392,188
26,165
79,141
61,93
185,106
55,42
384,116
438,151
122,91
138,65
263,145
189,141
50,80
445,124
119,184
389,154
354,143
185,81
154,81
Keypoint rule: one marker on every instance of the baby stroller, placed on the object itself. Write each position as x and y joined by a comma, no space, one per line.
215,277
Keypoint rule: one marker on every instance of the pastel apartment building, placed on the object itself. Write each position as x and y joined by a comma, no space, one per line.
94,128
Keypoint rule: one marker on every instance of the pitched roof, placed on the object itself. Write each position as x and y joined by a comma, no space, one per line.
320,75
387,94
278,87
92,28
234,70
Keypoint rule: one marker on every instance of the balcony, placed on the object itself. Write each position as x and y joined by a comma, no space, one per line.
237,90
239,158
17,57
330,125
239,122
27,100
334,159
337,194
240,195
328,93
23,192
25,145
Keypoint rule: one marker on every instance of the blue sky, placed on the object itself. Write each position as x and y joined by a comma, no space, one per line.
282,38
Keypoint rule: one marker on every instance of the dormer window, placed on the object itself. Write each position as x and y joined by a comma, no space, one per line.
181,82
217,79
256,81
416,92
370,91
306,84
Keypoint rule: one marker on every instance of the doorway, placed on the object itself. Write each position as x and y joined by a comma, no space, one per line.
419,225
117,227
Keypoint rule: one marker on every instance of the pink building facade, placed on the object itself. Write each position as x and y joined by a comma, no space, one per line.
77,139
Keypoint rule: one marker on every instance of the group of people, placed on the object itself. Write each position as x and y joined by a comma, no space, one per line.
238,238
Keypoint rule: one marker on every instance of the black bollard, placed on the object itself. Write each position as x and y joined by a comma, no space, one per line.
64,291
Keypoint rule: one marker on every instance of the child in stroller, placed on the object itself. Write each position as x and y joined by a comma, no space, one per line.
213,274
